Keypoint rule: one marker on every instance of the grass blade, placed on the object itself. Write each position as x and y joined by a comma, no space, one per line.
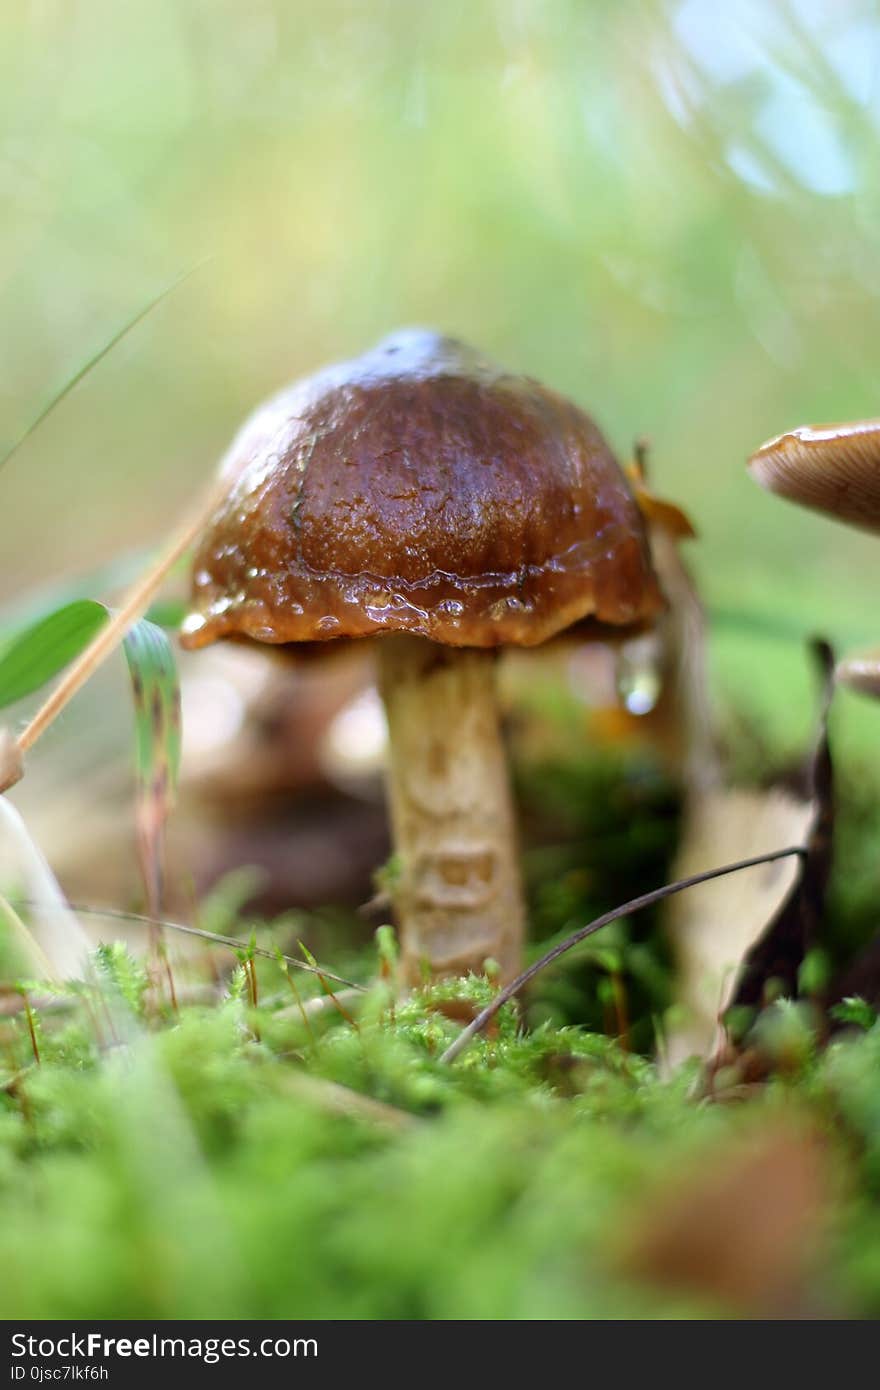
59,939
156,692
73,381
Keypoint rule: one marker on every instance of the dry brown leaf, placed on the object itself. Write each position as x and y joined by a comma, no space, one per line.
713,926
743,1227
728,935
730,938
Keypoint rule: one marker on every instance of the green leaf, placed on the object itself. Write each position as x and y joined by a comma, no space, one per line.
156,690
35,655
156,693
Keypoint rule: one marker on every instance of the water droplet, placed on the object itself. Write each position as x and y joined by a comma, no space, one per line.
638,676
192,623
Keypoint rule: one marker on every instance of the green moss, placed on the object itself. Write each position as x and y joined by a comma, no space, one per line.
185,1171
232,1160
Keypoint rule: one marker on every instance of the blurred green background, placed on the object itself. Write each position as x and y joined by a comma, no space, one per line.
667,210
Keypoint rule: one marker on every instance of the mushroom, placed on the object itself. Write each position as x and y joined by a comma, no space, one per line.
833,469
425,496
861,673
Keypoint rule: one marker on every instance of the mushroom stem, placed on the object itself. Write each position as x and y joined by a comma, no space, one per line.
458,897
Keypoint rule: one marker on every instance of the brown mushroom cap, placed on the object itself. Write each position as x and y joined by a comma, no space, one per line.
831,468
420,489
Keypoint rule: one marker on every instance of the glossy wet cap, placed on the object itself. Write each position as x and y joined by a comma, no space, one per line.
833,469
422,489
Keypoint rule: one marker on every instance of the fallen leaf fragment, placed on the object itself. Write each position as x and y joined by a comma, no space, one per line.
742,1227
731,939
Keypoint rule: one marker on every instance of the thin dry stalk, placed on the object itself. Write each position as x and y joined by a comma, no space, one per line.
119,914
634,905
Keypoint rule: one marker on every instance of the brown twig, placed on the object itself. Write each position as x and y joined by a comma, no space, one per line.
634,905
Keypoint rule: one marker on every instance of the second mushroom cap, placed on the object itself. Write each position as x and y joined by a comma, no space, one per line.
833,469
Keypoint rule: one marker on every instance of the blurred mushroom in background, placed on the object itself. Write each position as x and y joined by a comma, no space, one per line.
833,469
860,672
